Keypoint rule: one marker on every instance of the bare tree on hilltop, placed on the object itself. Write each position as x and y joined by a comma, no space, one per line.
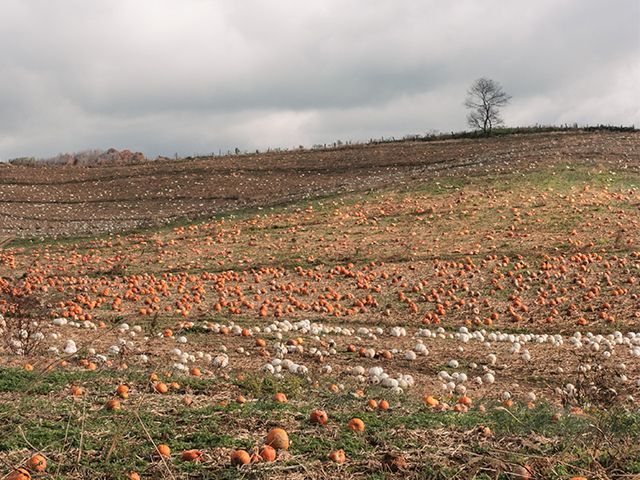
484,99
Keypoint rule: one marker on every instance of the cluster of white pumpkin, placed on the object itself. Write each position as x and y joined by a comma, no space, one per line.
377,376
86,324
277,366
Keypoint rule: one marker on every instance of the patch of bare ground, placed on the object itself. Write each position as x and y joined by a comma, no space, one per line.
85,200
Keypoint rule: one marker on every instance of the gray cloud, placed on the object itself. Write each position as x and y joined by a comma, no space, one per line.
195,76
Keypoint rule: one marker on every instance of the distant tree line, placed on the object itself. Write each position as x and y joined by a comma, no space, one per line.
85,158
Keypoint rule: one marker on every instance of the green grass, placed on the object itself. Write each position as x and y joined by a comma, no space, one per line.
81,438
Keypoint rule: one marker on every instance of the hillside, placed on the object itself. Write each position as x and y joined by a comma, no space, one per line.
474,303
81,200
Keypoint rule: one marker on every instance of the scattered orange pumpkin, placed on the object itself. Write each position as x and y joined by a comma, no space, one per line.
113,404
280,398
160,387
240,457
122,391
77,391
356,425
431,401
19,474
163,450
278,439
319,416
338,456
268,453
37,463
191,455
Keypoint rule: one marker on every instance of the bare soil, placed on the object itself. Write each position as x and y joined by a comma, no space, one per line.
86,200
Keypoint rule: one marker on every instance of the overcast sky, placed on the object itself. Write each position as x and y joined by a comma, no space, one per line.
195,76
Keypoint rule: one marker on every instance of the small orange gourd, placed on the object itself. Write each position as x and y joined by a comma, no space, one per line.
356,425
240,457
319,416
278,439
338,456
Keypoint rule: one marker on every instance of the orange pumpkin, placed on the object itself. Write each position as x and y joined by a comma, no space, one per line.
161,387
240,457
37,463
280,398
77,391
319,416
113,404
163,450
122,391
278,439
338,456
268,453
431,401
356,425
191,455
19,474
